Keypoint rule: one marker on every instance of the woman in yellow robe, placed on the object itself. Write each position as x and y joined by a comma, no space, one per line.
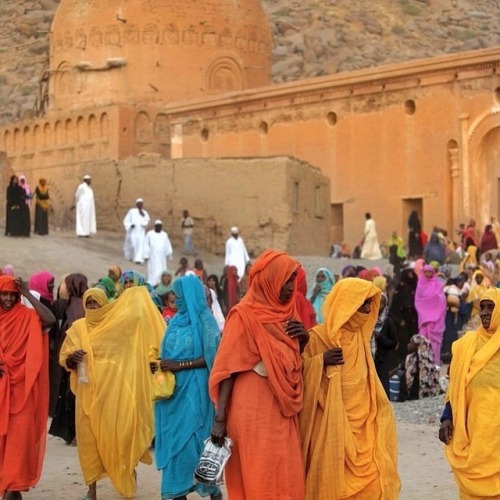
347,425
471,420
114,413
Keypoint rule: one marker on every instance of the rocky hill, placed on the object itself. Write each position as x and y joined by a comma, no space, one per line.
311,38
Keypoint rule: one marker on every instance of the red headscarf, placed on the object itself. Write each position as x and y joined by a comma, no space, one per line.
304,307
255,331
24,350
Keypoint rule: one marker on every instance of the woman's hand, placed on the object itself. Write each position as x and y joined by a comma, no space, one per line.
167,365
75,358
333,357
296,330
153,366
23,287
446,431
218,433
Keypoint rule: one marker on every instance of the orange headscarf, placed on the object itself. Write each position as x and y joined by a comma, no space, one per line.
263,338
24,350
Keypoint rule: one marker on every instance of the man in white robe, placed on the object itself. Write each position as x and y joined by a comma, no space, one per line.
135,222
85,209
371,248
157,249
236,252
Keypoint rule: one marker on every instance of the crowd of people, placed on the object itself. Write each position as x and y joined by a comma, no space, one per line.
301,380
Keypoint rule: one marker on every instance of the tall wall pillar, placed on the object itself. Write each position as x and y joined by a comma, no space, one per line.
465,195
455,187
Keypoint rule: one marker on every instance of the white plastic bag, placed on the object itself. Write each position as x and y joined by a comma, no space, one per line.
212,462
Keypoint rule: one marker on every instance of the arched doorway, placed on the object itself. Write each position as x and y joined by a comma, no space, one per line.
488,161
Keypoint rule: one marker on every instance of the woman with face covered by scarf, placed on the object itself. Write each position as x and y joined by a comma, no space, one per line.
114,411
470,422
347,424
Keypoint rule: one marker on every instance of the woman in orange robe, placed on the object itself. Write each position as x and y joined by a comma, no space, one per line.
24,388
347,425
256,385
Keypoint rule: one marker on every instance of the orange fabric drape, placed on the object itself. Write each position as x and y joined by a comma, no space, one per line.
262,415
347,425
24,395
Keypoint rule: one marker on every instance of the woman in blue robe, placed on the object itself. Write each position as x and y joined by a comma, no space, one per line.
184,421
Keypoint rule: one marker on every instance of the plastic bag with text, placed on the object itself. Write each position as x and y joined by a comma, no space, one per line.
213,459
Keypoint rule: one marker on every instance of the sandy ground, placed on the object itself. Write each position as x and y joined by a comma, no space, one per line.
423,468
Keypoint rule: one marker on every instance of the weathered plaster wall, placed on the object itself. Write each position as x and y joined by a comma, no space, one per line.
390,140
276,202
393,139
127,52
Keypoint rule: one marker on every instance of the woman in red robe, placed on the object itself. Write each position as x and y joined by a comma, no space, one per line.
24,388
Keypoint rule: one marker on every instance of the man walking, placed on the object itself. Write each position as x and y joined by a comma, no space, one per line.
187,225
85,209
236,252
157,249
135,222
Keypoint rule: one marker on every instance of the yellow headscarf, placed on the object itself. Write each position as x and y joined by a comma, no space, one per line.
342,303
94,316
475,398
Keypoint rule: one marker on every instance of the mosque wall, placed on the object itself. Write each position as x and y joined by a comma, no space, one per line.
276,202
391,140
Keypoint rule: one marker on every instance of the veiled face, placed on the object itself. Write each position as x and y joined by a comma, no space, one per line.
92,304
366,306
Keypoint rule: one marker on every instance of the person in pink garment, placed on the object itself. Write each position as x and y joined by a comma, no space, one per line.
430,303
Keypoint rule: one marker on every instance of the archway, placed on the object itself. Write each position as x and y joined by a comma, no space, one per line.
488,188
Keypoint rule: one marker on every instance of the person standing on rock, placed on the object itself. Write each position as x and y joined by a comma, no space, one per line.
85,209
371,248
24,387
135,222
236,252
157,249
